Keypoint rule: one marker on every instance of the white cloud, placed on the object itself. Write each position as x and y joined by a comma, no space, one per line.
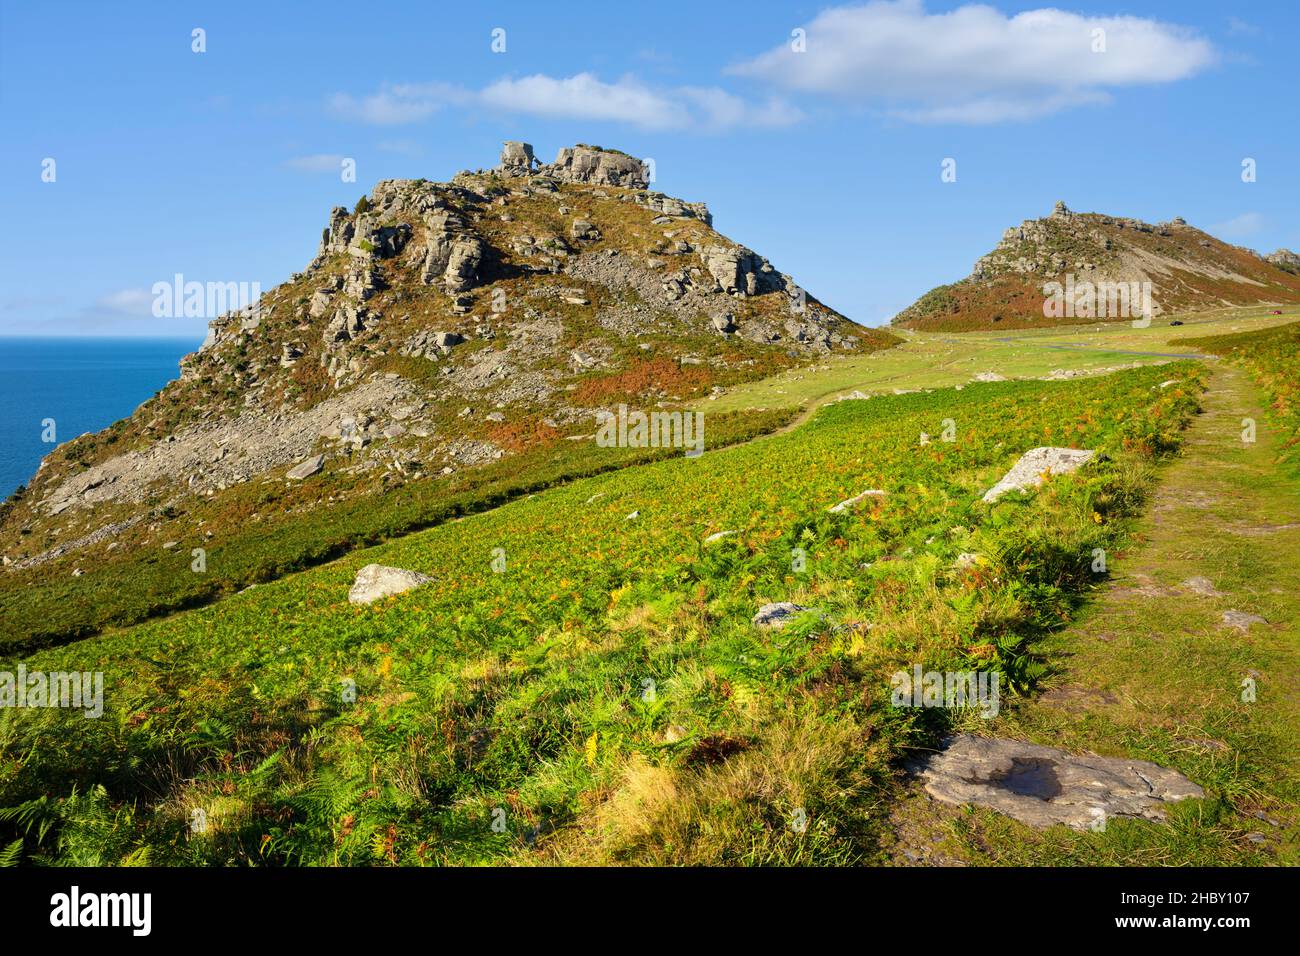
316,163
136,302
397,104
1238,227
582,96
585,97
975,64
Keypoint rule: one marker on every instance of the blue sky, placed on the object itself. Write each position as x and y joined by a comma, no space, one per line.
223,165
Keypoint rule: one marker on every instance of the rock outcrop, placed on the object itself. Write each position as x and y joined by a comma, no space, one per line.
1033,468
376,581
600,167
1041,786
500,290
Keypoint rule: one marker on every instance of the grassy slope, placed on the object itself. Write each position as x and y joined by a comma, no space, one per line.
1149,671
265,533
528,691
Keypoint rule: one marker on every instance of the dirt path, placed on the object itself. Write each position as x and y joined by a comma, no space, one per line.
1152,670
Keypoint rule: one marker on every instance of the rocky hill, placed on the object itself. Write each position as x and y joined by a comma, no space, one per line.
1177,267
441,327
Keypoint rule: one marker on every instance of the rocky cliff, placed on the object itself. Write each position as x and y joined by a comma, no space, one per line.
1182,268
439,327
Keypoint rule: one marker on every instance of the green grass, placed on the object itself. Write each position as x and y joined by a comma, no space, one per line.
1151,673
1270,356
523,697
47,606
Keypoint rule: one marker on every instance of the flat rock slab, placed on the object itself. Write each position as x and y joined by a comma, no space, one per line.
1029,471
1041,786
307,468
376,581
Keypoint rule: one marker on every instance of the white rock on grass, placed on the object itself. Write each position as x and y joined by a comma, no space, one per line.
778,615
1028,472
850,503
717,536
376,581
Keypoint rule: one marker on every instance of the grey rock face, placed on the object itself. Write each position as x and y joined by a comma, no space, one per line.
516,158
586,164
776,616
741,271
376,581
1284,258
463,263
1029,470
305,469
1042,786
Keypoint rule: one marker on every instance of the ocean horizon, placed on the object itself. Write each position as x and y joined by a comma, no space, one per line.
82,383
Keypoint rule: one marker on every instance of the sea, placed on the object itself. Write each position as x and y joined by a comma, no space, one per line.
81,384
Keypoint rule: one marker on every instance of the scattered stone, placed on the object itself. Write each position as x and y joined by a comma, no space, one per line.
307,468
674,733
717,536
966,560
1241,620
1041,786
376,581
633,516
1202,586
1030,471
849,504
989,377
776,616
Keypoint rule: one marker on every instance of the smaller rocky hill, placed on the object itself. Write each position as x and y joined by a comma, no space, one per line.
1181,268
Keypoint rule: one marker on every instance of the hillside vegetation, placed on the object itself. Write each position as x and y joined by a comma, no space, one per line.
605,696
450,346
1272,356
